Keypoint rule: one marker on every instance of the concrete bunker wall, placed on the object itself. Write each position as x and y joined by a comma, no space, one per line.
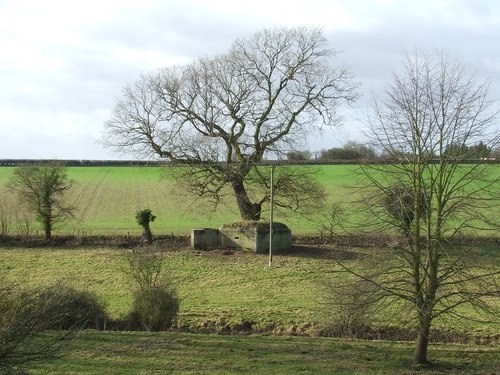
253,236
205,239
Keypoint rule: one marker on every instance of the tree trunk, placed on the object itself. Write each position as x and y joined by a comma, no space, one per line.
47,227
48,233
422,342
147,236
248,210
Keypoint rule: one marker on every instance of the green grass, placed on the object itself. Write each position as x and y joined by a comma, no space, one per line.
108,197
222,293
173,353
213,288
218,292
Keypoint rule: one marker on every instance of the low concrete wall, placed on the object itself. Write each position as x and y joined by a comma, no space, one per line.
205,239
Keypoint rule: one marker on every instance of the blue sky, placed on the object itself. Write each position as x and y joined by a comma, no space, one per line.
63,63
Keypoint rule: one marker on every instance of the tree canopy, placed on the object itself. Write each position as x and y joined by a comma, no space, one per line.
224,115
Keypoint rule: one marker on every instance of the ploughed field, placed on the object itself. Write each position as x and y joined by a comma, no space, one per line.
107,199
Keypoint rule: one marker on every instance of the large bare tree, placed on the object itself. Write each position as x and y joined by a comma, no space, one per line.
223,115
430,194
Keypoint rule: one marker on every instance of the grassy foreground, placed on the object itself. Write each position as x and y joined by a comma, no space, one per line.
174,353
229,293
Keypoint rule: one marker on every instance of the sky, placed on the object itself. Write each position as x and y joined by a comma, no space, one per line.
64,63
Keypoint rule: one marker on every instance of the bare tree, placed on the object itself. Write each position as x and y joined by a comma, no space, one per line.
42,190
429,196
223,115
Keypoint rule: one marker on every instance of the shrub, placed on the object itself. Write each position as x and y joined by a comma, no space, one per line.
5,220
154,309
348,309
155,302
75,309
24,318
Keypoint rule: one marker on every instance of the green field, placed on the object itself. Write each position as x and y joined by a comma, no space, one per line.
108,197
219,293
223,293
230,293
172,353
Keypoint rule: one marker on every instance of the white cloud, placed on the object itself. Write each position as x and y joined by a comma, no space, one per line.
64,62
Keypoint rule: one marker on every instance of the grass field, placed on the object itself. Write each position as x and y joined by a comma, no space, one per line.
226,293
172,353
108,197
222,293
213,288
219,293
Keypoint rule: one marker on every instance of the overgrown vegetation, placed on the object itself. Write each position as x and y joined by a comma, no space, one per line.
75,308
155,302
29,316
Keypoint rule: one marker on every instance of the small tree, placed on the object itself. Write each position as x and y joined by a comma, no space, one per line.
331,219
42,189
144,217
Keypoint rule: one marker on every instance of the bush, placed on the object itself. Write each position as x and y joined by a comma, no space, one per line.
144,217
24,318
348,309
75,309
154,309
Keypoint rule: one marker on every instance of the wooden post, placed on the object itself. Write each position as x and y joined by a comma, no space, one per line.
271,203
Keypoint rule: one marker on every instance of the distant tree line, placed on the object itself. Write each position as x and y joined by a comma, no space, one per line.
355,151
79,163
350,151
